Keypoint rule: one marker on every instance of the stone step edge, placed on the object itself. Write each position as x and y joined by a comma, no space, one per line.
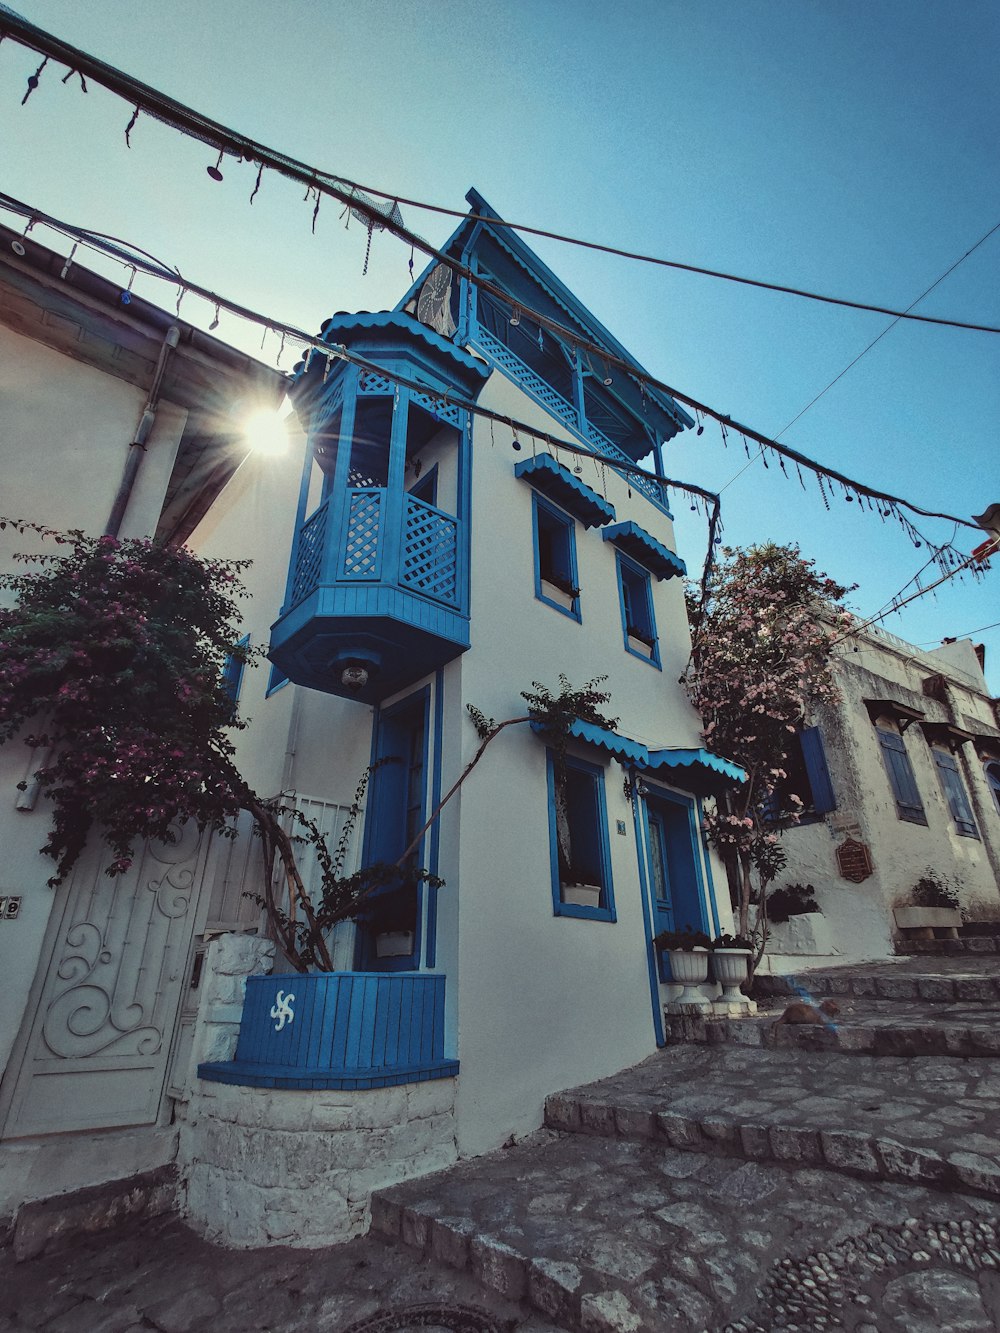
933,1038
974,944
933,990
849,1152
551,1287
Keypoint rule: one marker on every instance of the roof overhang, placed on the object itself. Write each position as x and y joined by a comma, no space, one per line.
902,714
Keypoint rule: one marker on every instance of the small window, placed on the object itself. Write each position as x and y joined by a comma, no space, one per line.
993,778
426,487
275,680
232,672
904,785
580,849
555,558
638,621
808,779
955,793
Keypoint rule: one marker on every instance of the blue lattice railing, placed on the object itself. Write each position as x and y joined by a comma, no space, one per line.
564,411
428,558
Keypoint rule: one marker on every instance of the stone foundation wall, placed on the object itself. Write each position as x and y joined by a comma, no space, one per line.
264,1166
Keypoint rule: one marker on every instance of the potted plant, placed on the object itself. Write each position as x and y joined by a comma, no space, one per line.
560,590
640,641
688,954
393,921
933,907
730,964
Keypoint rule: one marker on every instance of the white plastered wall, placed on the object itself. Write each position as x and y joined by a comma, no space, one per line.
65,429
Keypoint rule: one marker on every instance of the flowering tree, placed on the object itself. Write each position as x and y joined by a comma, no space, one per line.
761,657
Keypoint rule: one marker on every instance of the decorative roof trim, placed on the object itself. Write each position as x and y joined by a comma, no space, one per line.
902,713
710,769
945,733
559,484
696,758
645,550
398,321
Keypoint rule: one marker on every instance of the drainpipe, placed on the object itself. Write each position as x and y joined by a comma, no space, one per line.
137,447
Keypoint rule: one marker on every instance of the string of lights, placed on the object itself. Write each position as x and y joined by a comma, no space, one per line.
384,217
380,216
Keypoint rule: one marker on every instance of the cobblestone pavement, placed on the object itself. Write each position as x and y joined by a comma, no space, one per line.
603,1234
160,1276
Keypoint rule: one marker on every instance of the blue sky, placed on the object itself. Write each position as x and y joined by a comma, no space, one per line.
844,147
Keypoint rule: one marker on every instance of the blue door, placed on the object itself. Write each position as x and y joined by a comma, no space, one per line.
672,854
396,812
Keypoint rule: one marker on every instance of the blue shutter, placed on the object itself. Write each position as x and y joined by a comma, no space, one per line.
904,785
817,772
954,790
232,673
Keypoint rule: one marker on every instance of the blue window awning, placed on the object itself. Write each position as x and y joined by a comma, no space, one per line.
645,550
566,490
696,770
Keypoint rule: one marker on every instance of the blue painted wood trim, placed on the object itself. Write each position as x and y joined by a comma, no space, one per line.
345,1029
463,511
391,527
337,515
645,897
434,855
622,562
537,503
300,518
706,858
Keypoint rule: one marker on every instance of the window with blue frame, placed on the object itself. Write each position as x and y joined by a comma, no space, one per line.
635,588
954,792
555,557
232,672
808,778
993,778
579,845
909,806
425,487
275,680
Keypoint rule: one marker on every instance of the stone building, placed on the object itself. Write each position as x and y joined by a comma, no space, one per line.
904,783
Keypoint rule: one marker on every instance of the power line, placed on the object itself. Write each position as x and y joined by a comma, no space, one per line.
864,352
221,137
964,635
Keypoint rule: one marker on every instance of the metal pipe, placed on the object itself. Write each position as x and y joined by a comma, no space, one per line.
137,447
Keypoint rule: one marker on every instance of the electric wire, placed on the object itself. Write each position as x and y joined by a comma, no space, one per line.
221,137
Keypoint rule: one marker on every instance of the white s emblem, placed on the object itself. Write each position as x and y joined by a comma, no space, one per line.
282,1010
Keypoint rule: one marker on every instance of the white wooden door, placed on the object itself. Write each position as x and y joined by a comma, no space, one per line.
94,1048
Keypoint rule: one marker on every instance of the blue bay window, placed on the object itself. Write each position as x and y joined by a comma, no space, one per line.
578,840
555,557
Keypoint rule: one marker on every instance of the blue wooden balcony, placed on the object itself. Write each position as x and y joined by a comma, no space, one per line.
377,594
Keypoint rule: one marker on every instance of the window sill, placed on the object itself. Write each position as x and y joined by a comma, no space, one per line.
562,601
636,648
585,913
908,818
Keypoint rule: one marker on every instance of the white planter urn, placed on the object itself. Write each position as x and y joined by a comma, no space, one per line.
690,969
730,967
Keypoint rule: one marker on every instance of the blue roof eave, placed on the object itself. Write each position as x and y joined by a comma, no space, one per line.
398,321
550,477
646,550
687,758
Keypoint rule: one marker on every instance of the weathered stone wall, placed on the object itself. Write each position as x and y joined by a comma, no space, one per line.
264,1166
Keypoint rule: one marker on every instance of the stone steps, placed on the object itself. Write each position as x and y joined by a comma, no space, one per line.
600,1234
969,944
979,982
868,1026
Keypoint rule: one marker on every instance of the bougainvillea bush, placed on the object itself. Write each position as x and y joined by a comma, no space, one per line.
761,660
111,668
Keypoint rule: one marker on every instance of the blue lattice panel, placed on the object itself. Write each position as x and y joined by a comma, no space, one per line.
362,547
339,1030
429,562
443,411
370,383
309,555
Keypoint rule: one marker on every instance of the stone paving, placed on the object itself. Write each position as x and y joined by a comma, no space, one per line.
720,1188
161,1277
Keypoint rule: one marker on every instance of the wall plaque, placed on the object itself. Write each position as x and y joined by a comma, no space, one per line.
854,860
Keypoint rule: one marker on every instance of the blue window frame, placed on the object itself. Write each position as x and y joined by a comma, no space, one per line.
426,487
581,856
955,793
275,680
232,671
555,557
993,778
635,595
808,779
904,785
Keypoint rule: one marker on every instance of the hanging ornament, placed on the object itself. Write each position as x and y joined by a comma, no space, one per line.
781,464
319,199
18,245
83,82
410,266
822,490
281,350
130,127
368,248
180,297
515,317
68,263
701,423
763,458
214,172
126,296
802,481
515,443
609,381
215,322
256,186
33,80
